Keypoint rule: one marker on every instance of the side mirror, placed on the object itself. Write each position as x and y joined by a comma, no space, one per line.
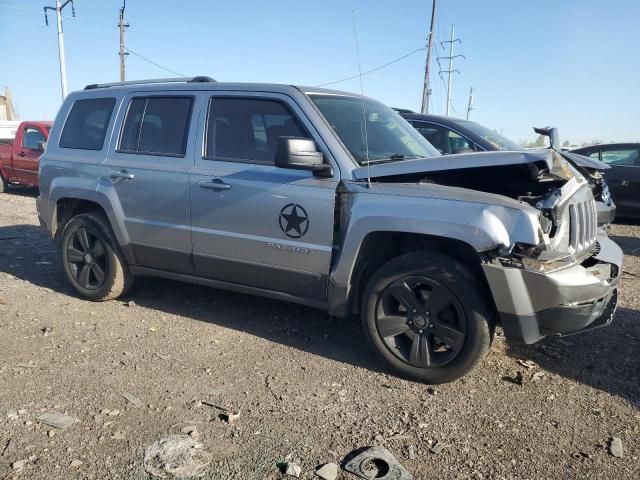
42,146
301,154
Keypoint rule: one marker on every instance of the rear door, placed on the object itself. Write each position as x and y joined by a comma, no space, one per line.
623,177
253,223
27,155
148,166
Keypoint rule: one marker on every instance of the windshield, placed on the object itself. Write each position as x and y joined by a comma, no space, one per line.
497,140
387,137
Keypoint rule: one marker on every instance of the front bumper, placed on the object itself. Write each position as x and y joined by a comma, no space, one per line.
533,305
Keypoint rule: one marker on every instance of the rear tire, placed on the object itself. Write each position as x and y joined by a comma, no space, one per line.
92,259
3,184
427,317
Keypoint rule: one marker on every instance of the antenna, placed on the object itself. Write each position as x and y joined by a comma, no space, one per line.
364,109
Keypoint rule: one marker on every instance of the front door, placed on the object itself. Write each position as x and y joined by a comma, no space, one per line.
148,166
25,163
253,223
623,178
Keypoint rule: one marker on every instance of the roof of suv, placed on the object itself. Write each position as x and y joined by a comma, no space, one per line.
208,83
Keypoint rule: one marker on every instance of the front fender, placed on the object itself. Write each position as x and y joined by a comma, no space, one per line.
482,226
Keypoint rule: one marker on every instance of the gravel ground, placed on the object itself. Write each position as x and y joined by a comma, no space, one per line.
306,386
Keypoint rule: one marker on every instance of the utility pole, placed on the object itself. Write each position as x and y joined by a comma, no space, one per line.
123,53
451,69
470,106
426,91
63,68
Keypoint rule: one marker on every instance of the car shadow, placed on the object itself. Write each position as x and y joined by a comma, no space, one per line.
21,191
27,253
605,358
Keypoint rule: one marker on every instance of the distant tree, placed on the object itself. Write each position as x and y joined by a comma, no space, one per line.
539,142
566,143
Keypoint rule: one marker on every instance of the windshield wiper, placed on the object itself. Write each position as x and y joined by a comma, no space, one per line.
396,157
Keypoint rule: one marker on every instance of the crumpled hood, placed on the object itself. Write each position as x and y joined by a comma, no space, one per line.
454,162
584,161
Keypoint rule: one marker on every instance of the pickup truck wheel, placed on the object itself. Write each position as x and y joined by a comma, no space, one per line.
425,314
3,184
92,259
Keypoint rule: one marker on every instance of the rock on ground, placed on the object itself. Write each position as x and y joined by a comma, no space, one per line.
176,456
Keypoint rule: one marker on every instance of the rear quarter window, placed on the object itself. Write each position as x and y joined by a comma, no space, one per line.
86,125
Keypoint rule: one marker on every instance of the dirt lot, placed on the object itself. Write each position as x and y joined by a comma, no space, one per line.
306,386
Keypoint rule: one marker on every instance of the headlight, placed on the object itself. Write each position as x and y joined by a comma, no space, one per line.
530,257
545,223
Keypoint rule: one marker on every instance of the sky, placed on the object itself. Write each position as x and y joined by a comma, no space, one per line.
573,64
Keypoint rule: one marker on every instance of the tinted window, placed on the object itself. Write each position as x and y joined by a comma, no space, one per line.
437,136
458,142
248,129
445,140
622,157
32,138
157,126
87,124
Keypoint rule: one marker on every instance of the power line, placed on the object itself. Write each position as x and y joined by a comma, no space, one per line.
39,12
23,21
154,63
374,69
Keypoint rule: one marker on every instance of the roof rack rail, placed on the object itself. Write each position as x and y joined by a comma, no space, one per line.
198,79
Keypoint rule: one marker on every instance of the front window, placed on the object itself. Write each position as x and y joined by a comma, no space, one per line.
32,138
387,136
622,158
497,140
444,140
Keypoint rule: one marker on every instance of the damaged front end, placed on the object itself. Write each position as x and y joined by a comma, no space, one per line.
561,277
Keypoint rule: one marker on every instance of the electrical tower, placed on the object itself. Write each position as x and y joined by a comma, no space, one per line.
426,91
63,68
450,71
123,53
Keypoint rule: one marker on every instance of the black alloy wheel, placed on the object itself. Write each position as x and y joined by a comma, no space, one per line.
86,259
428,316
421,321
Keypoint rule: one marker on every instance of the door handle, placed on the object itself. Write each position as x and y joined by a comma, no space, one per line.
122,175
22,154
215,184
624,183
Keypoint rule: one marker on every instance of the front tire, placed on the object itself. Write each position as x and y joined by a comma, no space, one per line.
92,260
427,317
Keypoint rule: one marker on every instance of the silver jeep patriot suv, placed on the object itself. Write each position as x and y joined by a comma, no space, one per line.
327,199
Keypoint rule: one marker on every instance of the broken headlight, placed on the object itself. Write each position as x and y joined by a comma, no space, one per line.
535,259
560,167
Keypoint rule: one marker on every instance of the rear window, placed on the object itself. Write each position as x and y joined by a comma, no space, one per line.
87,123
157,126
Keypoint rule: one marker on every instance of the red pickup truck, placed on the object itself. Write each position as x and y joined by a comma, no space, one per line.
19,159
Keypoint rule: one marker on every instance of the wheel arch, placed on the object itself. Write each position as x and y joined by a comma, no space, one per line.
379,247
67,204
